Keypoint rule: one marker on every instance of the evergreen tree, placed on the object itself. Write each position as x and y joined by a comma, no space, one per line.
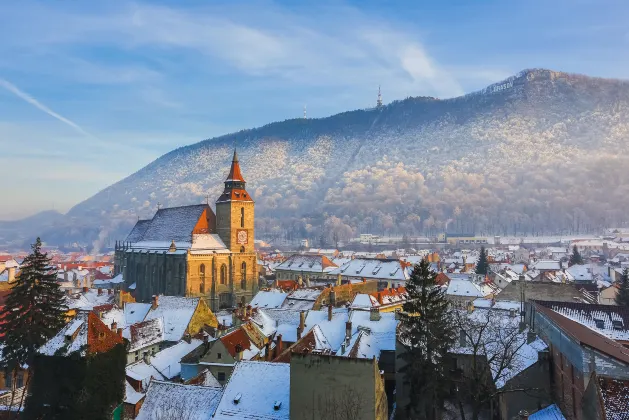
622,297
427,332
482,266
34,310
576,257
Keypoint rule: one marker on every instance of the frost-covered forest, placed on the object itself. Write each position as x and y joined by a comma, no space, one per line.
543,152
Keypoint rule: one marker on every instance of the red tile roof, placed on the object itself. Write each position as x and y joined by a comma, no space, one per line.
237,337
304,345
615,395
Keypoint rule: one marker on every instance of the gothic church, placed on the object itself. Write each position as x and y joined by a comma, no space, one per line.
190,251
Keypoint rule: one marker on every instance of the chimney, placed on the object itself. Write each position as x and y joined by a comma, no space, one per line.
119,331
523,415
332,296
85,289
330,312
155,302
249,312
298,333
109,291
267,351
276,283
307,280
380,298
147,357
11,273
300,281
530,336
278,343
100,291
348,330
114,326
374,314
302,320
338,279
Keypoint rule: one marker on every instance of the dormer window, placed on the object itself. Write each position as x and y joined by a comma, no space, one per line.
617,325
599,323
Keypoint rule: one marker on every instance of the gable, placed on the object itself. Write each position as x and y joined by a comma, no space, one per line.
206,222
211,356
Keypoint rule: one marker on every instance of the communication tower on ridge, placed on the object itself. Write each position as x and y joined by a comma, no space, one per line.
379,102
305,112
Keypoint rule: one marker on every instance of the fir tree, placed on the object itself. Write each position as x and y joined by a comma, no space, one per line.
427,332
622,297
33,312
576,257
482,265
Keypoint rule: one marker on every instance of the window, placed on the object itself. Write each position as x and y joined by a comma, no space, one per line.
617,325
20,380
219,356
221,376
137,356
242,249
243,276
223,274
202,270
242,217
599,323
7,378
202,288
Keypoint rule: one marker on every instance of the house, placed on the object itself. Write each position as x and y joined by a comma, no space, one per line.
577,352
390,272
465,288
388,300
166,400
324,386
219,356
610,321
563,292
145,337
607,295
304,266
257,390
606,398
181,316
494,344
272,299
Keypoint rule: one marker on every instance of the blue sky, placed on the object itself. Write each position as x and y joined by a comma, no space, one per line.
91,91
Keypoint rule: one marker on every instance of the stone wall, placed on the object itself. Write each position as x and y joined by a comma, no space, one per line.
324,387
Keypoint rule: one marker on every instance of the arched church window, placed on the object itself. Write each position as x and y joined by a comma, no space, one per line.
243,276
202,270
242,249
242,217
223,274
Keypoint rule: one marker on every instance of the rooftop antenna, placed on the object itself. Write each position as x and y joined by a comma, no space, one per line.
207,199
305,112
159,205
379,102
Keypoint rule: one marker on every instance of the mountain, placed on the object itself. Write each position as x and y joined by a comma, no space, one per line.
539,152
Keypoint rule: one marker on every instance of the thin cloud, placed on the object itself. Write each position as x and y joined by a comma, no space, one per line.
29,99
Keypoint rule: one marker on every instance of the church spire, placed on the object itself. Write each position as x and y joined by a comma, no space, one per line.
234,172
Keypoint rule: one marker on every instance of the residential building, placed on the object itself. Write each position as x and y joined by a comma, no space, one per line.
166,400
304,267
388,272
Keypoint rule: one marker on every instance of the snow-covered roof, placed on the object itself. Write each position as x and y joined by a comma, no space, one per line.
373,268
171,224
301,299
463,287
207,243
578,272
167,361
545,265
256,390
135,312
138,231
334,330
499,305
131,396
381,332
611,321
87,300
166,400
272,299
146,333
307,263
552,412
177,312
362,300
265,323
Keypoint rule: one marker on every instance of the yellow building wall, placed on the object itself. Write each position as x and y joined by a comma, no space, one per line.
228,224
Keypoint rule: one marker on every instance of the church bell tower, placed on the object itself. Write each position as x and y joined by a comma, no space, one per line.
235,212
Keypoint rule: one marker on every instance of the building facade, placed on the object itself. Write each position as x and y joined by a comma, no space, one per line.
191,251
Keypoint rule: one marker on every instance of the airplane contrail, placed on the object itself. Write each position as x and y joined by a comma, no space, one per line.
28,98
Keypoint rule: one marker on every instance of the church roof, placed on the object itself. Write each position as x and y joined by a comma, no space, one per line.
168,224
234,172
138,231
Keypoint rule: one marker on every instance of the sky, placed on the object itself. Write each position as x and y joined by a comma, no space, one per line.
92,91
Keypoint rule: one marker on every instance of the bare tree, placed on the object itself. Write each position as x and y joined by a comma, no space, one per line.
492,350
346,404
